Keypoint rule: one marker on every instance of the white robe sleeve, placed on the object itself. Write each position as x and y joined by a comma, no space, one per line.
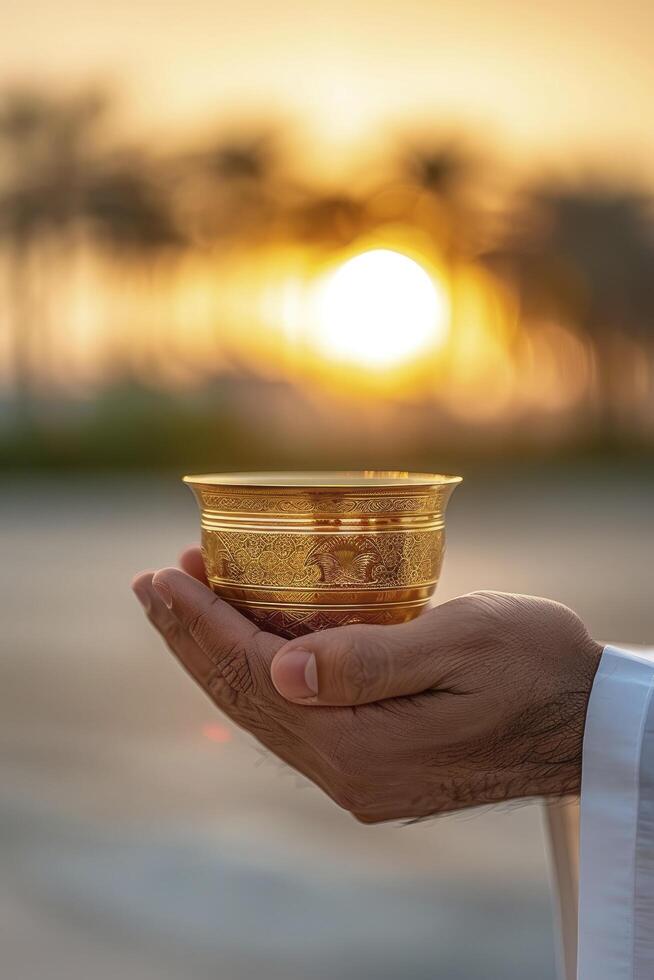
616,873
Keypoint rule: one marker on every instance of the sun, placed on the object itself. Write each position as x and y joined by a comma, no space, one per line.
380,308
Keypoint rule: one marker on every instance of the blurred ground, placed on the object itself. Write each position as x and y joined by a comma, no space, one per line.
132,846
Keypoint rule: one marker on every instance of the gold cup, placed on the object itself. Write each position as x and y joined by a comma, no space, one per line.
298,552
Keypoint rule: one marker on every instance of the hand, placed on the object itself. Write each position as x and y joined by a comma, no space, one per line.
480,700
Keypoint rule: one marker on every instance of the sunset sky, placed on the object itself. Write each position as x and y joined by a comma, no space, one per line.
545,82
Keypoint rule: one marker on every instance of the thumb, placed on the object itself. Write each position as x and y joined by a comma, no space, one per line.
358,664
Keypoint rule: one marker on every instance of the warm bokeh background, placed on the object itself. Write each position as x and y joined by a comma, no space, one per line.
197,206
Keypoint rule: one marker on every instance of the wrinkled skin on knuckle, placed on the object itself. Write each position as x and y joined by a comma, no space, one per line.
470,631
408,799
278,715
532,621
348,671
232,661
243,711
365,773
277,740
569,638
357,675
487,613
513,645
327,729
219,689
350,752
171,631
201,630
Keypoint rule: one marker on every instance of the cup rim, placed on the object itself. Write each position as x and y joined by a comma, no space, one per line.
313,480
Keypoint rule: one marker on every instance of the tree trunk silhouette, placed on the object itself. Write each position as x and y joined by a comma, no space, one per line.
21,327
609,383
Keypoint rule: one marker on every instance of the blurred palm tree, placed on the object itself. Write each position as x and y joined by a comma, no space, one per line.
445,171
584,255
328,219
125,208
44,145
55,180
439,168
232,187
427,189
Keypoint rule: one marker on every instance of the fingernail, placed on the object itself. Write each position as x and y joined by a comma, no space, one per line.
142,593
295,675
164,592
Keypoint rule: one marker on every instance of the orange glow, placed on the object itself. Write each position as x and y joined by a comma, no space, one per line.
215,732
367,321
339,228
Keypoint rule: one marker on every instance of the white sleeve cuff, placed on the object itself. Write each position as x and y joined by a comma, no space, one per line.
616,875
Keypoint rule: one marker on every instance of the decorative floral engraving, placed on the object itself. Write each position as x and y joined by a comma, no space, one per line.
292,622
358,561
324,503
218,558
298,560
308,560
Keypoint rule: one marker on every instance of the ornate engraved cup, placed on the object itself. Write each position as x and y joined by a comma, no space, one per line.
298,552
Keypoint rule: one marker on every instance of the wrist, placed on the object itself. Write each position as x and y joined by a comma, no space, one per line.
562,747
